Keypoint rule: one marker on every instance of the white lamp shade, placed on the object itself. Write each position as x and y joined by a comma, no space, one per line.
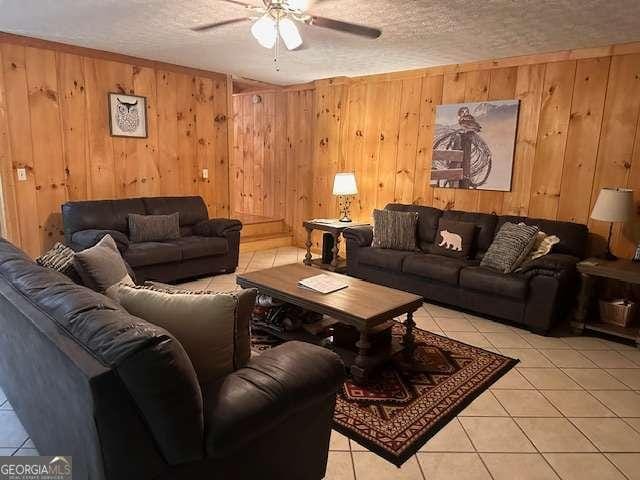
613,205
264,31
345,184
290,34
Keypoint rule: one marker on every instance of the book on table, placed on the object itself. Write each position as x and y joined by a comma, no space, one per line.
322,283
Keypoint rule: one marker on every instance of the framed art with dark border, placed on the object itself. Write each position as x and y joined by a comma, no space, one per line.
127,115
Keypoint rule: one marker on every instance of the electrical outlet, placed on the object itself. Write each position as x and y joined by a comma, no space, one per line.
205,173
22,174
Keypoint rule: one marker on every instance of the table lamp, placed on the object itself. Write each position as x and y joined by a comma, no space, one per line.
613,205
344,187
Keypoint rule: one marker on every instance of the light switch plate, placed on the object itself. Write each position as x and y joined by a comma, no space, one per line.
22,174
205,173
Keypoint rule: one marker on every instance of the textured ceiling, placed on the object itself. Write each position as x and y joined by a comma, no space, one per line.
416,33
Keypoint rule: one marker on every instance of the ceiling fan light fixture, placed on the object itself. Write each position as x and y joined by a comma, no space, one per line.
301,5
264,31
290,34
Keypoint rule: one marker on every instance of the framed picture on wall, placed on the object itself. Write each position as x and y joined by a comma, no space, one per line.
473,145
127,115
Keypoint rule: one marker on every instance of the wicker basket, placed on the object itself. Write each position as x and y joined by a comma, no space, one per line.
618,312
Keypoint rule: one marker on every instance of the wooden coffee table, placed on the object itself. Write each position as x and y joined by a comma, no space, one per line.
363,305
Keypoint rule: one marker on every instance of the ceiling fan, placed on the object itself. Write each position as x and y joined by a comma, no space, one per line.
276,20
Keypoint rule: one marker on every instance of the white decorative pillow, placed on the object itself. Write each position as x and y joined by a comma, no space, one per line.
542,246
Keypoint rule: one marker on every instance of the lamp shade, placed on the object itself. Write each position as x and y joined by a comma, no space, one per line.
613,205
345,184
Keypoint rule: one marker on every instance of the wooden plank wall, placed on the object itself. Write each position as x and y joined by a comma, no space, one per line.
578,131
271,162
54,122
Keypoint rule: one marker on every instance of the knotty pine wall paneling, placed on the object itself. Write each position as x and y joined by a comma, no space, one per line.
54,123
578,131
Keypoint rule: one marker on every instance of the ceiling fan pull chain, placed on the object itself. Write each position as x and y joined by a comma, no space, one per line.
277,49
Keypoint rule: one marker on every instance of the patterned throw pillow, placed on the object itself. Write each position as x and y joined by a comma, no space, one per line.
510,247
394,230
453,238
153,228
542,246
59,258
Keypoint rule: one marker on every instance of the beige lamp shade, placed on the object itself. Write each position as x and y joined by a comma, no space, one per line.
613,205
345,184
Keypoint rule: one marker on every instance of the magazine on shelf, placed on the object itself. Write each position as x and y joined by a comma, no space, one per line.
322,283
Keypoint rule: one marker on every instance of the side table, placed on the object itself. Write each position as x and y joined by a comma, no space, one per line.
335,229
592,268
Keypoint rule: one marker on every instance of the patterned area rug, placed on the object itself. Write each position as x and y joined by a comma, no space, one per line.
403,407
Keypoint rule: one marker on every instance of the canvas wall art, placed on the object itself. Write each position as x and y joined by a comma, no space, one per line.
474,144
127,115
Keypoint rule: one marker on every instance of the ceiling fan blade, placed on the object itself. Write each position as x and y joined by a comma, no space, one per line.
209,26
353,28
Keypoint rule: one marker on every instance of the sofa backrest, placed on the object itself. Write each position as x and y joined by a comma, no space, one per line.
485,227
90,333
112,214
573,236
427,221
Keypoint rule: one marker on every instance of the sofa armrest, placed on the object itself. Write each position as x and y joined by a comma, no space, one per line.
83,239
553,264
362,235
217,227
271,388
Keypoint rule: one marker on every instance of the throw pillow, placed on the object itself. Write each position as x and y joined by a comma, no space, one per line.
453,238
59,258
509,247
153,228
101,267
203,322
542,246
394,230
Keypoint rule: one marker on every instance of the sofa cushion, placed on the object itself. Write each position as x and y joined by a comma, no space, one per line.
485,224
454,239
101,267
435,267
191,209
383,258
395,230
152,253
485,280
154,228
573,236
209,335
196,246
99,214
427,221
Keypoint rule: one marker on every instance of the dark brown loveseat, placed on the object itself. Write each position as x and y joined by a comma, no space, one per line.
535,297
206,246
121,396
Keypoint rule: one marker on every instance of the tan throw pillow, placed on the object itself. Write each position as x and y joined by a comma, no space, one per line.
101,267
203,322
542,246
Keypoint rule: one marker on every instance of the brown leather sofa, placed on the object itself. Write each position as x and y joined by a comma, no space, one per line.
206,246
535,297
121,397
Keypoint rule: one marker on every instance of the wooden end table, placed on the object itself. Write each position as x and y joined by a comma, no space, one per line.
591,269
335,229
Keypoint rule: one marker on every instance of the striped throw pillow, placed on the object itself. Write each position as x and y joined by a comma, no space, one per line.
510,247
394,230
60,258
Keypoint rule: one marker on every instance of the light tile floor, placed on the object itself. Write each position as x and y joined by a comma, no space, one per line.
569,410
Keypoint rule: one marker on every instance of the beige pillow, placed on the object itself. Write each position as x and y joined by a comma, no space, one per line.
542,246
203,322
101,267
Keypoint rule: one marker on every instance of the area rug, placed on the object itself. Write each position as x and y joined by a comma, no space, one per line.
401,408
